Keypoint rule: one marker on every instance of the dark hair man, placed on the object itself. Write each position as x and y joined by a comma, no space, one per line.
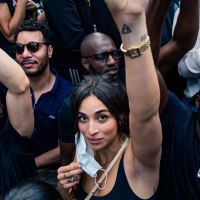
33,50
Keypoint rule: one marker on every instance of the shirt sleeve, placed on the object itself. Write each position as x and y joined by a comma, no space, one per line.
189,65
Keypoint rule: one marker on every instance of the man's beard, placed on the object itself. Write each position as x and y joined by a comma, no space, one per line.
39,72
111,72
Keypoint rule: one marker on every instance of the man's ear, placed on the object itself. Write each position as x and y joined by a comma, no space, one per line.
50,51
85,63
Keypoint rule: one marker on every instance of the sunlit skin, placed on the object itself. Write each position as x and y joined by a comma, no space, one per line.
33,62
97,124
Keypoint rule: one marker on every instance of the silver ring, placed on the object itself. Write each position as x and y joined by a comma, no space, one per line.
70,179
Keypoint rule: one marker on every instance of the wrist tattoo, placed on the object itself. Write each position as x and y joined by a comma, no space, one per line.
143,37
126,29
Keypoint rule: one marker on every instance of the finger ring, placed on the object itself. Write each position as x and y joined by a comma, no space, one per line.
70,179
65,176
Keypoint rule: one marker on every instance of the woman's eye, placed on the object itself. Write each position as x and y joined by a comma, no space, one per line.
82,118
102,118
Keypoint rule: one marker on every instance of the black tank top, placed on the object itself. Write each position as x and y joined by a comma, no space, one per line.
121,189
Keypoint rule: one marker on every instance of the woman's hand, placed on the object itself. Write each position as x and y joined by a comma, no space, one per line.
31,5
126,10
69,176
128,6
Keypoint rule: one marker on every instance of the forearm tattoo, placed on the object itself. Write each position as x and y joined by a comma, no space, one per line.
125,29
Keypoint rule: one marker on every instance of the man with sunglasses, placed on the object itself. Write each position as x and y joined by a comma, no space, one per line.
99,56
71,21
33,50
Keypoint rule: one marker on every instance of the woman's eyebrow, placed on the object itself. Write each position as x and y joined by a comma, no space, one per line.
103,110
97,112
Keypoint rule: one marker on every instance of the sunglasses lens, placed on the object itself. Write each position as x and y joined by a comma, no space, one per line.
103,56
33,46
100,56
116,54
19,48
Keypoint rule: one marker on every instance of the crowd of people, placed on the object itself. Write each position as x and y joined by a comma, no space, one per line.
90,103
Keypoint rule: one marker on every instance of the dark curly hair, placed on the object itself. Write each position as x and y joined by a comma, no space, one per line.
33,25
111,93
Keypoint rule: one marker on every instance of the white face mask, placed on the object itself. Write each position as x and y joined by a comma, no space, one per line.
85,156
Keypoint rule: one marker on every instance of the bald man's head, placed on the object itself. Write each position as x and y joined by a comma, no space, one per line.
93,42
99,53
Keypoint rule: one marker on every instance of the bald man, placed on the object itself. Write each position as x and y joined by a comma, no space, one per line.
99,53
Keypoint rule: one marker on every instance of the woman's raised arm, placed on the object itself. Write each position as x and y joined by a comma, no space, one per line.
141,79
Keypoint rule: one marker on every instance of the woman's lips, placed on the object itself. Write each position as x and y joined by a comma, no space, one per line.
95,141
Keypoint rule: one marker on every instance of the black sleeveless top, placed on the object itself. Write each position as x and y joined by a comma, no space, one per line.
121,189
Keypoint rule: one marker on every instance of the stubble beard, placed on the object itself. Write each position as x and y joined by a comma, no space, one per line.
39,72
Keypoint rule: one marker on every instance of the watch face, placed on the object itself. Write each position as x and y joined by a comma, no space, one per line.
134,52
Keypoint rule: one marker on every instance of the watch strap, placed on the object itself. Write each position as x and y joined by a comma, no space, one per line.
135,51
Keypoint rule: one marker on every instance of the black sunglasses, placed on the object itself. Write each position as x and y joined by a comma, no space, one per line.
103,56
31,46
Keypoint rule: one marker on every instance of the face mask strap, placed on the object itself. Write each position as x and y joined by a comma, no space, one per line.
97,184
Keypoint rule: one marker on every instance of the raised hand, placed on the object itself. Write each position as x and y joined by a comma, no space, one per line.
31,5
121,9
128,6
128,15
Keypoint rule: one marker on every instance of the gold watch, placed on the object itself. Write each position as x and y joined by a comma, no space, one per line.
135,51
